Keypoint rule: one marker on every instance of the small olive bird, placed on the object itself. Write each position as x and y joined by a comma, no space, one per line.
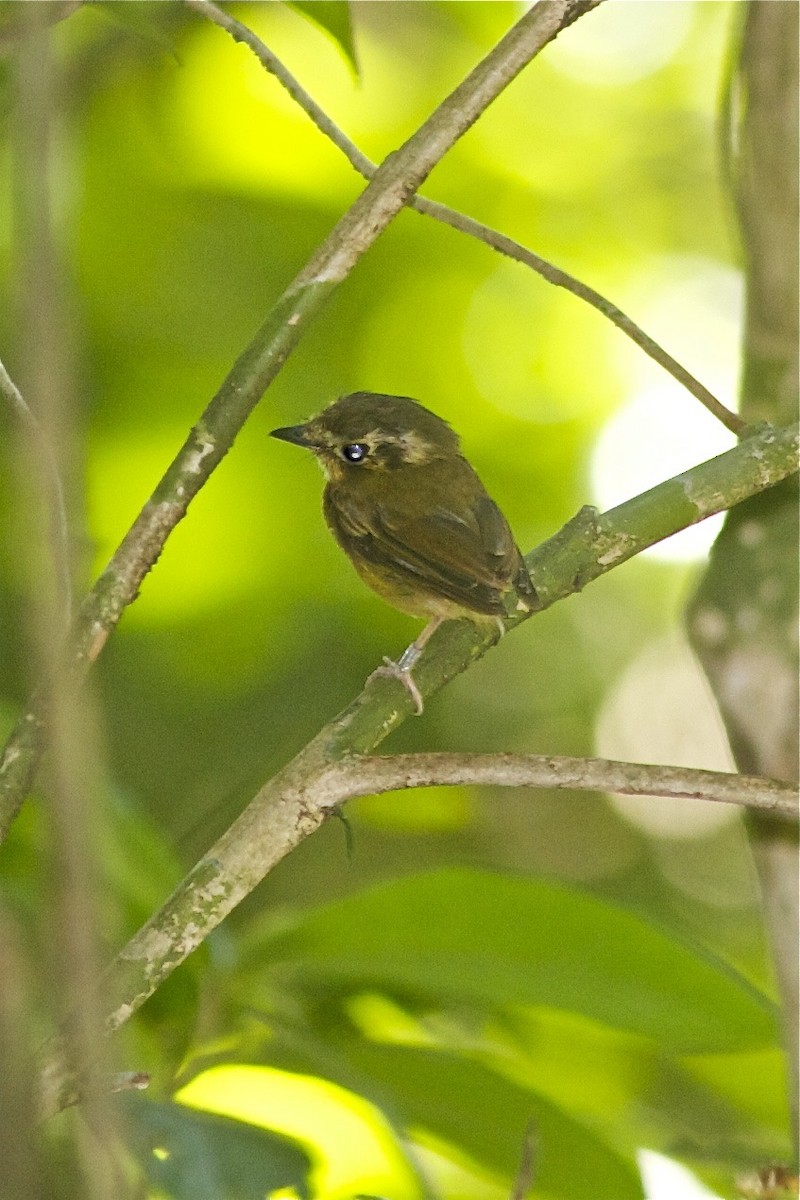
413,517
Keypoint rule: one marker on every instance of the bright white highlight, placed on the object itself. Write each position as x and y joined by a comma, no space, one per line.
665,1179
623,43
693,308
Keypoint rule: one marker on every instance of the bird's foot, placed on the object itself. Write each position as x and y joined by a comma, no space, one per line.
403,675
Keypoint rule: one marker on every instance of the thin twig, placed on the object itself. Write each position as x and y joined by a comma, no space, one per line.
468,225
527,1164
373,775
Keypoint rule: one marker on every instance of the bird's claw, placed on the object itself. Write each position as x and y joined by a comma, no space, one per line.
404,676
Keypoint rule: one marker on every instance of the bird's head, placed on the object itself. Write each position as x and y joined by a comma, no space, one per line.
368,431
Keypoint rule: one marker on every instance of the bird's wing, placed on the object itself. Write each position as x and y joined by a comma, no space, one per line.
468,557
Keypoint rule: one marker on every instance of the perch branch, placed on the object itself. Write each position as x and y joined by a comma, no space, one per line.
464,224
394,182
295,802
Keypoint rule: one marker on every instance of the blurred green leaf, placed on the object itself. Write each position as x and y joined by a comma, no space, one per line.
470,1106
333,16
472,936
191,1155
618,1085
139,865
140,870
460,1099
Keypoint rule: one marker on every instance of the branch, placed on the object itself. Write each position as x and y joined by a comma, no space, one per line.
527,1165
295,802
448,216
750,589
59,526
370,776
394,182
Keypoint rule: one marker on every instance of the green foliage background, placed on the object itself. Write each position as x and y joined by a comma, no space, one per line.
187,192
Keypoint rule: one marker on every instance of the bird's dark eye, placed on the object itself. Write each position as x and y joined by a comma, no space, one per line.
355,452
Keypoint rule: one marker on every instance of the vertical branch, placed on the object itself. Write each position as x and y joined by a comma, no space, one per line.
744,616
71,965
19,1159
52,487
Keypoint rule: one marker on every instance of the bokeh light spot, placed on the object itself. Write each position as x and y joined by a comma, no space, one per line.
661,710
642,445
693,308
665,1179
622,43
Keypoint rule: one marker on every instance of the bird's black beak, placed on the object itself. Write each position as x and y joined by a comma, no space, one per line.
297,434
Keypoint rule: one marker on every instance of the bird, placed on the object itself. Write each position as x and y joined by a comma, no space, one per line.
413,517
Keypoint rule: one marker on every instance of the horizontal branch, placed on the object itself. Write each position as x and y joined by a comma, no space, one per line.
393,183
369,776
468,225
295,802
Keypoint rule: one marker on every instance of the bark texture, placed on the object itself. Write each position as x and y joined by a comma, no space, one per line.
744,618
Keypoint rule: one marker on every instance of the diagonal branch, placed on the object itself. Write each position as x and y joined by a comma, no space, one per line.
394,182
295,802
456,220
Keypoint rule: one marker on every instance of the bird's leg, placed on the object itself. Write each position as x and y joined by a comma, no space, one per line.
411,653
401,670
